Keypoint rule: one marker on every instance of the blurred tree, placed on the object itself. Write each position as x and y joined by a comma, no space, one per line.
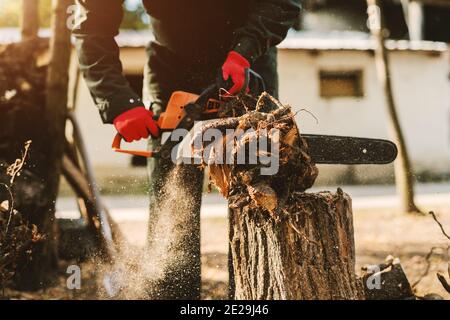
29,22
135,16
45,13
404,175
10,13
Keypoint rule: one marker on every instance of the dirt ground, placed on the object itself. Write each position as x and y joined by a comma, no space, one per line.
378,233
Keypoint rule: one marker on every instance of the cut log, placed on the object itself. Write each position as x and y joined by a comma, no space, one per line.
285,244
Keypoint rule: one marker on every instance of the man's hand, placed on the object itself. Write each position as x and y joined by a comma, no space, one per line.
234,67
136,124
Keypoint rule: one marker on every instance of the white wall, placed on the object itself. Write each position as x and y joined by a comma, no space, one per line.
421,88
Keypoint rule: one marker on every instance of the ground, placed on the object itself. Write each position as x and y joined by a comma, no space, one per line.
378,233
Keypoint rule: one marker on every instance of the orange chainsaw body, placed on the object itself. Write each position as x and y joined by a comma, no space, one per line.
174,113
170,118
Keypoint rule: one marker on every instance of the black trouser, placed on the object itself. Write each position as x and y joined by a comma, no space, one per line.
165,74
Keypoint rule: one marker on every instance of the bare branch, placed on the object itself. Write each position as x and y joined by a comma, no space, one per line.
439,224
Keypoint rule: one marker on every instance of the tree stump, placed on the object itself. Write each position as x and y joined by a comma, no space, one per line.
308,254
285,244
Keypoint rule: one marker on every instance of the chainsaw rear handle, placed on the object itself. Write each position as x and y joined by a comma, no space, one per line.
141,153
253,81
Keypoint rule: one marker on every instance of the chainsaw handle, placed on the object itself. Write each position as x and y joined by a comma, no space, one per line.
260,85
253,81
140,153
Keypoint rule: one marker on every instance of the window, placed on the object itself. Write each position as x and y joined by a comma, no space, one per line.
335,84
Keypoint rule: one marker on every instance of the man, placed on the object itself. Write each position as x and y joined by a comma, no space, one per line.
194,39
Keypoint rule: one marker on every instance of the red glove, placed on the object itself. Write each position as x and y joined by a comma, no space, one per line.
234,67
136,124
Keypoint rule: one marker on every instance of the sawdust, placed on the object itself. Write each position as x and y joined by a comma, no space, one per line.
152,272
163,269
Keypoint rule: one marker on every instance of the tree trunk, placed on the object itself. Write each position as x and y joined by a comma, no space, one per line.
404,175
29,21
309,254
39,272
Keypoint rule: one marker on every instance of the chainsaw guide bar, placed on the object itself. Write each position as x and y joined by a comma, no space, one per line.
326,149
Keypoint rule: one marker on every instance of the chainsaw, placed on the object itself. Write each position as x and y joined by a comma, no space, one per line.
184,109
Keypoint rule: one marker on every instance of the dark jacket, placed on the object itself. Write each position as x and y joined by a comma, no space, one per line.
196,31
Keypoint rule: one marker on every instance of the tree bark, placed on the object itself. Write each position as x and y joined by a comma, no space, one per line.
308,254
29,21
404,175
